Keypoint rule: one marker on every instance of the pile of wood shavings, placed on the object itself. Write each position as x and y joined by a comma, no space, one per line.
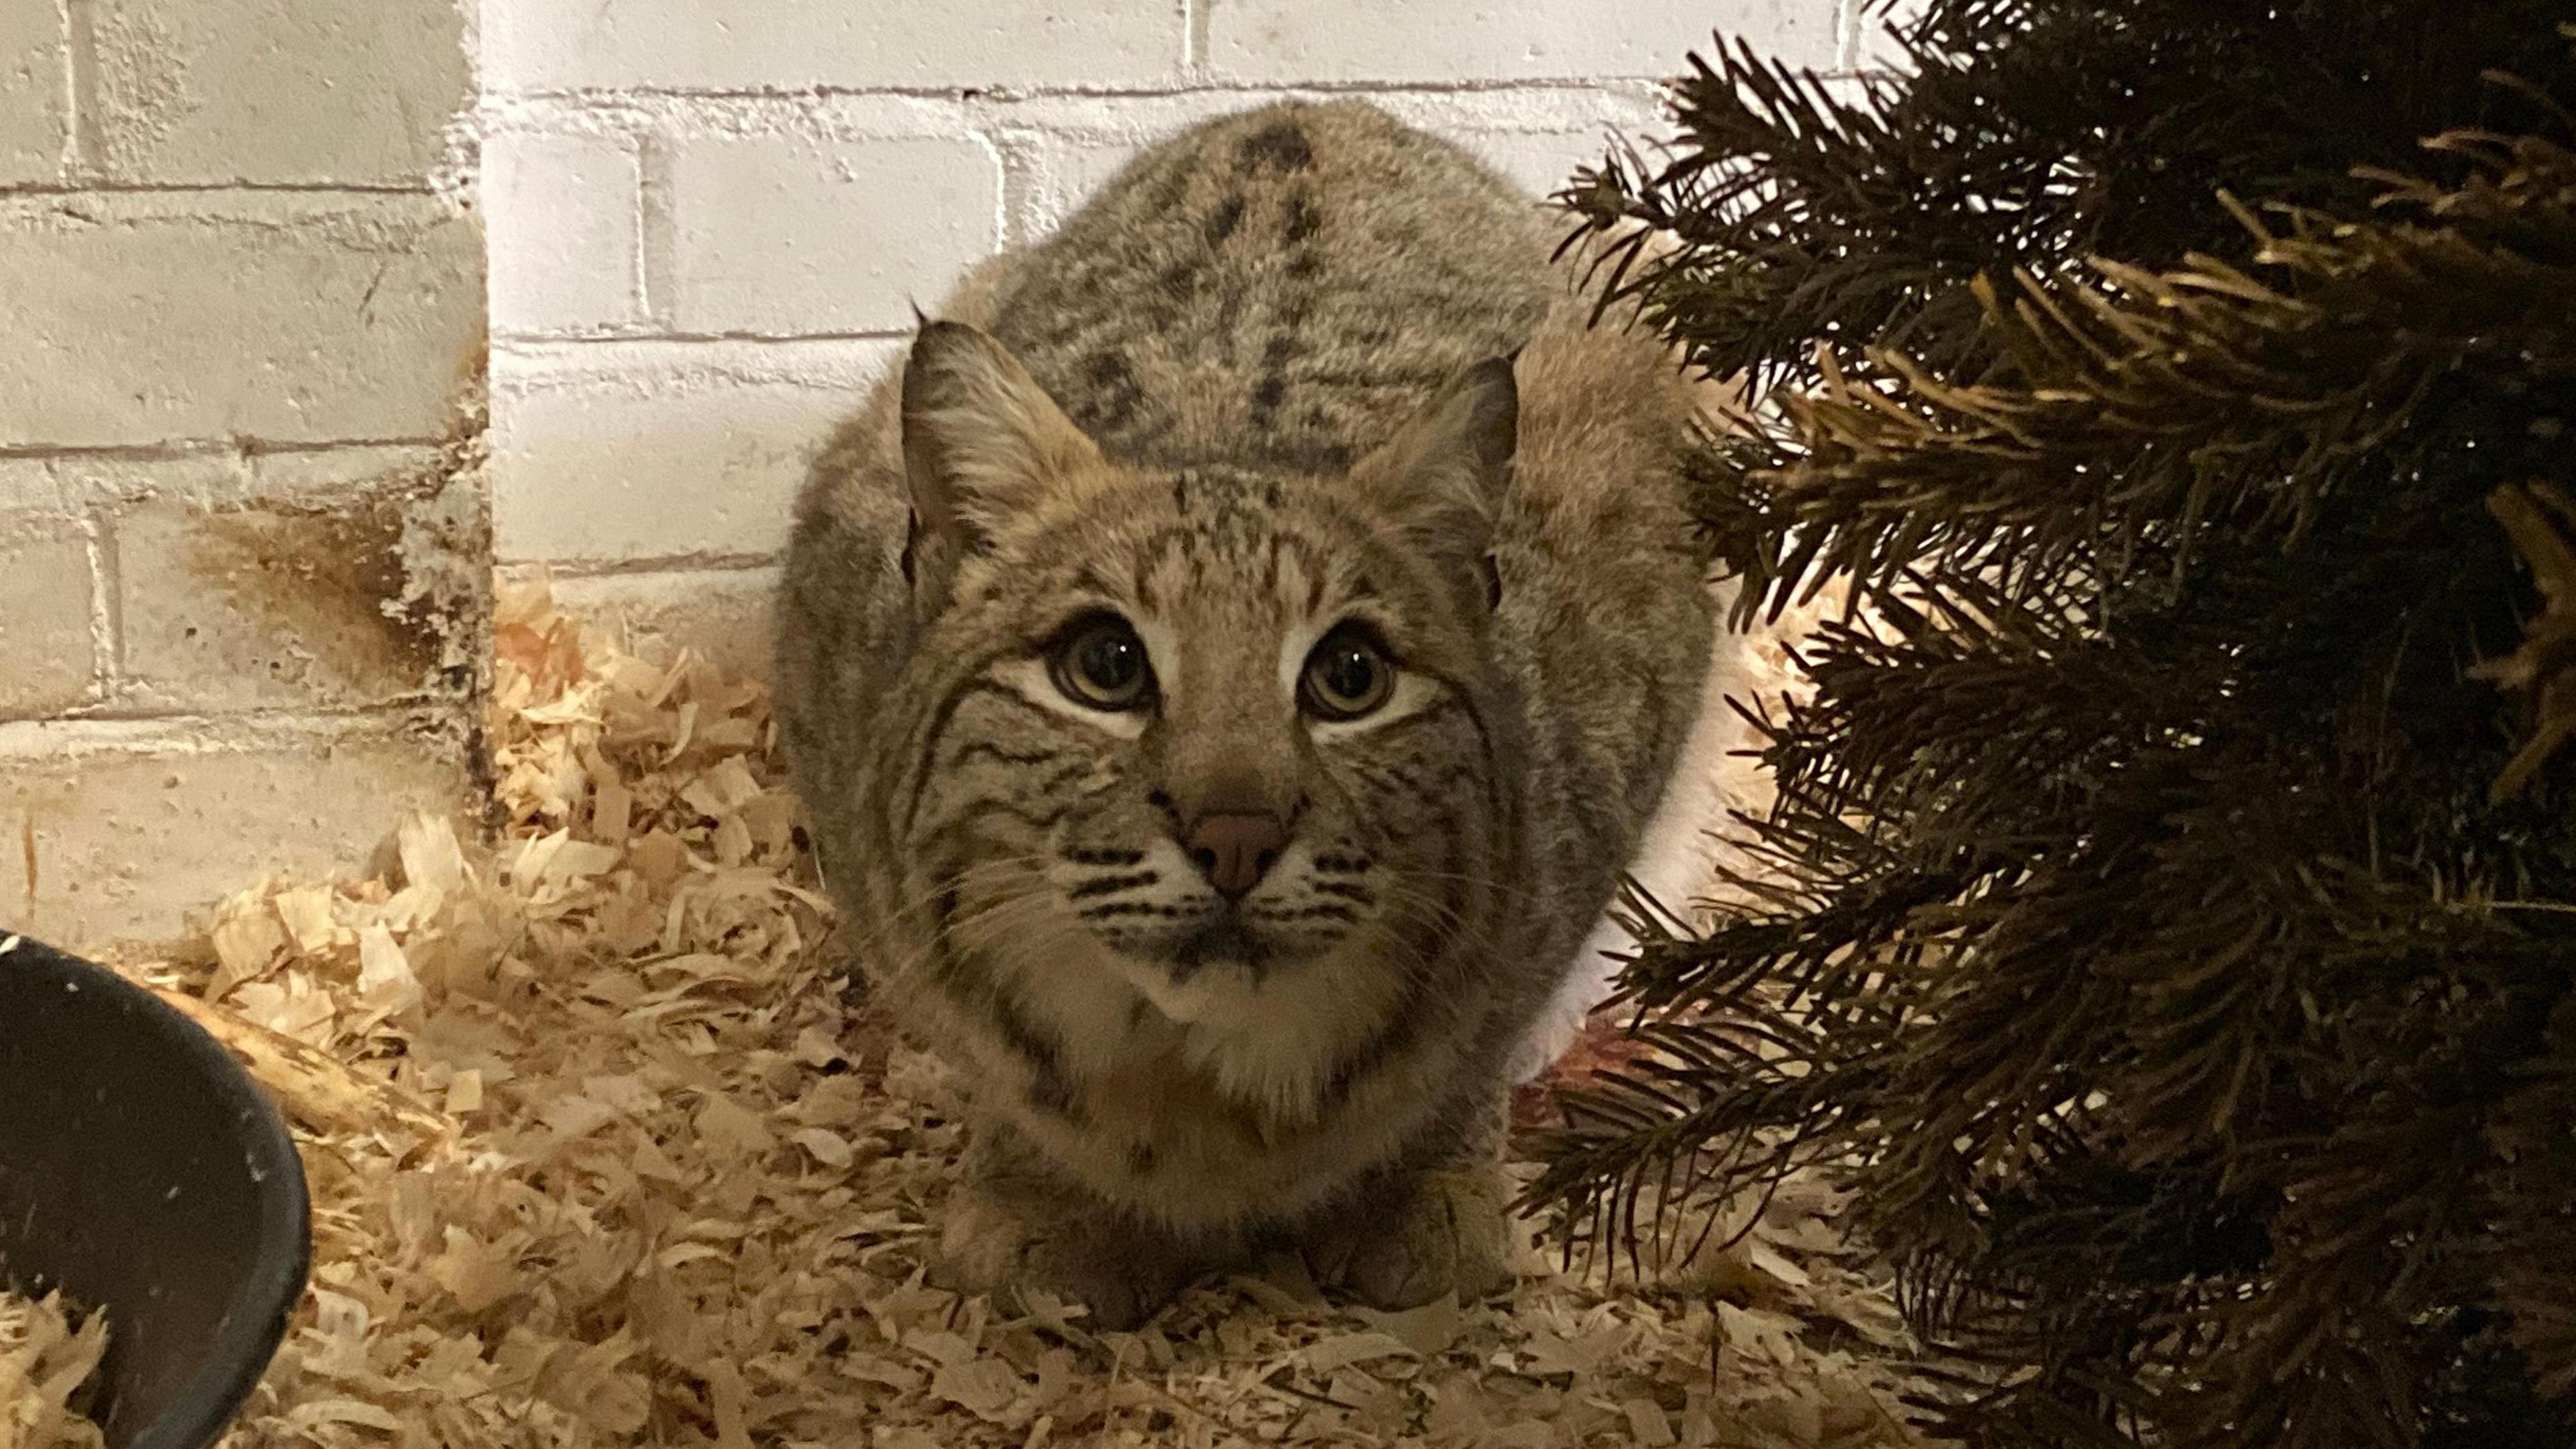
603,1151
48,1352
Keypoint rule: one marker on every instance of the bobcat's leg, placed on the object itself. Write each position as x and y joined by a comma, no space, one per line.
1011,1225
1415,1233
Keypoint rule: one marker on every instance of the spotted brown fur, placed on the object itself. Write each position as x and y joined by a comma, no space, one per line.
1232,402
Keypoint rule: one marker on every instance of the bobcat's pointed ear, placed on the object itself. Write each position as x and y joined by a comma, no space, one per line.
1442,476
981,440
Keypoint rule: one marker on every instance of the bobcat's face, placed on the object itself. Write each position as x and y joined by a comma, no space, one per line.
1220,727
1252,740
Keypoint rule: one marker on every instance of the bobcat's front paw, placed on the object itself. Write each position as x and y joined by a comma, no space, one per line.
1002,1242
1447,1233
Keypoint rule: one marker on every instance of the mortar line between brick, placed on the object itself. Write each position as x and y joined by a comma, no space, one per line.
142,730
94,185
67,91
1012,179
417,707
609,568
624,98
106,608
657,232
85,147
1847,23
1194,37
531,344
184,448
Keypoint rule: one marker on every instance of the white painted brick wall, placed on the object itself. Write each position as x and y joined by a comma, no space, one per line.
603,454
722,614
565,210
752,45
48,662
240,297
209,92
35,115
709,217
133,822
135,319
1435,42
790,235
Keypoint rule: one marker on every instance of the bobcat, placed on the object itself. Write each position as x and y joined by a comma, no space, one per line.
1227,669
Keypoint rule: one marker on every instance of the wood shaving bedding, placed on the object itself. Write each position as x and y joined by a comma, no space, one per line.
605,1149
48,1353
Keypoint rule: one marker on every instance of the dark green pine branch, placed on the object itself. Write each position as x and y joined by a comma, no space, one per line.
2167,920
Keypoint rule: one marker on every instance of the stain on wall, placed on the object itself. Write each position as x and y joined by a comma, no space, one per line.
366,591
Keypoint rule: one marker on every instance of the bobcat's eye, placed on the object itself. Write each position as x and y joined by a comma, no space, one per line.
1101,664
1346,677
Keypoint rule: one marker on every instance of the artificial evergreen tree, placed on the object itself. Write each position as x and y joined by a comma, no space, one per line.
2168,916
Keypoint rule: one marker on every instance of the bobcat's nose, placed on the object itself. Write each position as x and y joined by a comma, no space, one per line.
1232,848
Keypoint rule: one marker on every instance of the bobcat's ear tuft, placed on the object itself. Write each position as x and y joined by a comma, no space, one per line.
981,440
1443,474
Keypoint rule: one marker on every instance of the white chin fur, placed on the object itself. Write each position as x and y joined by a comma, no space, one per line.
1219,994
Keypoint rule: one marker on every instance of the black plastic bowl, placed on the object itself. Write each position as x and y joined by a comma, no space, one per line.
141,1171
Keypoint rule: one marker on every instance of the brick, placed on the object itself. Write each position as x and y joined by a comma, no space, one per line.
33,55
1292,41
789,236
307,91
1872,44
130,832
719,614
696,454
47,662
325,473
795,44
563,232
30,484
271,606
336,319
105,480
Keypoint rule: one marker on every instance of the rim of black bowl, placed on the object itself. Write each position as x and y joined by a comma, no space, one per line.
222,1384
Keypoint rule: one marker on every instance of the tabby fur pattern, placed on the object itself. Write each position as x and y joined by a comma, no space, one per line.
1222,966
